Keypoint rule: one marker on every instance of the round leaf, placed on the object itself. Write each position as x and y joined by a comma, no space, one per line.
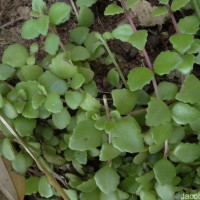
7,149
124,100
127,136
79,53
15,55
186,66
32,185
6,71
85,136
19,163
38,5
51,44
158,11
113,77
77,37
107,179
113,9
42,25
77,81
44,187
85,17
177,5
29,30
138,77
166,62
59,13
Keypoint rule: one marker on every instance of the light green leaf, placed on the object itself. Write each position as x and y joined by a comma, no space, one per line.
87,186
182,42
138,77
138,39
72,194
186,152
9,110
24,126
19,163
166,61
124,100
85,136
29,30
87,3
79,53
42,25
113,9
131,3
51,44
61,119
77,81
59,13
81,157
53,103
77,37
177,4
73,99
186,66
160,169
6,71
184,114
167,90
94,195
62,68
189,92
7,149
108,152
158,11
107,179
126,135
15,55
165,2
122,32
38,5
85,17
189,24
87,73
34,47
113,77
44,187
165,192
32,185
157,112
110,196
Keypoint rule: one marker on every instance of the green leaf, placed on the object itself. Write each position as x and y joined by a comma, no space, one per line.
61,119
94,195
77,81
108,152
110,196
182,42
165,2
32,185
51,44
38,5
79,53
24,126
165,192
122,32
138,39
186,152
9,110
85,136
81,157
42,25
147,195
189,24
157,112
113,77
189,92
131,3
87,73
124,100
72,194
77,37
126,135
62,68
184,114
85,17
44,187
186,66
161,133
87,186
19,163
177,4
7,149
73,99
1,101
6,72
166,61
29,30
138,77
160,169
107,179
15,55
34,47
113,9
87,3
59,13
158,11
167,90
53,103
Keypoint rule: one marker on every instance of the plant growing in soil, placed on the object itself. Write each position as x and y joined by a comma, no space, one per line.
144,143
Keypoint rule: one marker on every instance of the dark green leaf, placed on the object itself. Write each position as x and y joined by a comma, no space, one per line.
77,37
85,17
113,77
6,71
32,185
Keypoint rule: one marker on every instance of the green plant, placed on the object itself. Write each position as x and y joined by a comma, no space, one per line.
143,143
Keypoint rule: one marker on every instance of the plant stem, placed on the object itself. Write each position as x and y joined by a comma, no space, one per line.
51,179
74,8
146,56
114,61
